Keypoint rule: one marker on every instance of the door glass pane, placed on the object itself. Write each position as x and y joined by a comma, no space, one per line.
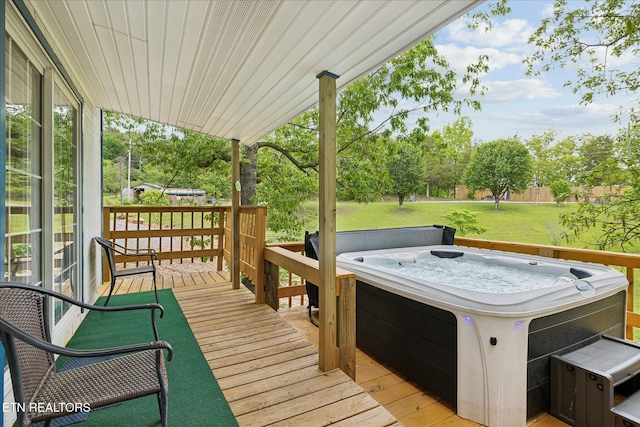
64,191
23,170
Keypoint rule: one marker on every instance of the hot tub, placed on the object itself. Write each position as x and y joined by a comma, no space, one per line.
482,345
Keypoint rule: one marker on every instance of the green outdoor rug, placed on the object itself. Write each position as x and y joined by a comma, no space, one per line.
195,399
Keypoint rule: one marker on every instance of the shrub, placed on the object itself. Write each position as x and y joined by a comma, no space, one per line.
464,222
154,198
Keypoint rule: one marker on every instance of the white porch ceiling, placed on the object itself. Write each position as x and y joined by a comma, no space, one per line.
235,69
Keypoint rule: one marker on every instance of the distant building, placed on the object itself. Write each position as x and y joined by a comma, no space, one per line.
141,188
176,195
194,194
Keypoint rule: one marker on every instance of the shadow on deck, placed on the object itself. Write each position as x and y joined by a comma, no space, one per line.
266,363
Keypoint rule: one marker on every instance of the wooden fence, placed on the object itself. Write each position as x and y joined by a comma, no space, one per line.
535,194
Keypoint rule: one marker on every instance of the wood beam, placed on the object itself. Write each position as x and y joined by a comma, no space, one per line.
328,355
235,213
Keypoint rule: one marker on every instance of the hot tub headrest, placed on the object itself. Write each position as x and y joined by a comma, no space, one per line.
366,240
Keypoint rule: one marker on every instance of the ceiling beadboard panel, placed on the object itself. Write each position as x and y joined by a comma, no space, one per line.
229,68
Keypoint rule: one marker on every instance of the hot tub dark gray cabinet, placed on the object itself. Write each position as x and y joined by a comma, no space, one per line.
416,339
420,341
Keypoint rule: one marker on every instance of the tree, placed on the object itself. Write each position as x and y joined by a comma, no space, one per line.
598,164
615,215
453,148
113,144
406,171
540,149
560,190
563,161
499,166
553,160
590,36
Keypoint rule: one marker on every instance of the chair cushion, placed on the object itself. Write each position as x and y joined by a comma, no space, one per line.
100,384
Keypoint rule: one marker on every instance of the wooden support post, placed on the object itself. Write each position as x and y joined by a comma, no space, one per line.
347,324
630,303
235,213
261,243
221,224
272,282
328,354
106,233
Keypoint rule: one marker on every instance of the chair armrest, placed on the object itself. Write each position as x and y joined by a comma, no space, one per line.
134,252
149,306
56,349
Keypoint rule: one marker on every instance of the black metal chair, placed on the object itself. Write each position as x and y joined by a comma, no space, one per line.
311,250
112,248
39,390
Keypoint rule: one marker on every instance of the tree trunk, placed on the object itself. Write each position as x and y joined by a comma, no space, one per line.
496,203
248,175
400,201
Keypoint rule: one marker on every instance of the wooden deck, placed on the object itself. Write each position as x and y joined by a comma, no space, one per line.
267,363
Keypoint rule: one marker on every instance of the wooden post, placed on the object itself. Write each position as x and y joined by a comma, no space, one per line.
261,243
220,251
347,324
235,213
630,302
106,233
328,356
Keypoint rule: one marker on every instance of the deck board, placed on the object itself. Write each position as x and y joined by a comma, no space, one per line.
266,363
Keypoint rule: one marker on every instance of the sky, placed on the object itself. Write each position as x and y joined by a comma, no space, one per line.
516,104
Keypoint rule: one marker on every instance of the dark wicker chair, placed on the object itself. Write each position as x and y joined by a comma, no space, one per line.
111,248
140,371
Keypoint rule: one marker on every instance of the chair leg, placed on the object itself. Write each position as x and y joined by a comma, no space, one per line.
155,288
163,405
311,318
113,285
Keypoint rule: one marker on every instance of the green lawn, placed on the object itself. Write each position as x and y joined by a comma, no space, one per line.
513,222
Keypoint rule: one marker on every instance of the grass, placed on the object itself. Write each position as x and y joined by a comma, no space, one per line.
514,222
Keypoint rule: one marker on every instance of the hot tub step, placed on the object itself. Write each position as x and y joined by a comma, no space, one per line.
627,412
583,384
